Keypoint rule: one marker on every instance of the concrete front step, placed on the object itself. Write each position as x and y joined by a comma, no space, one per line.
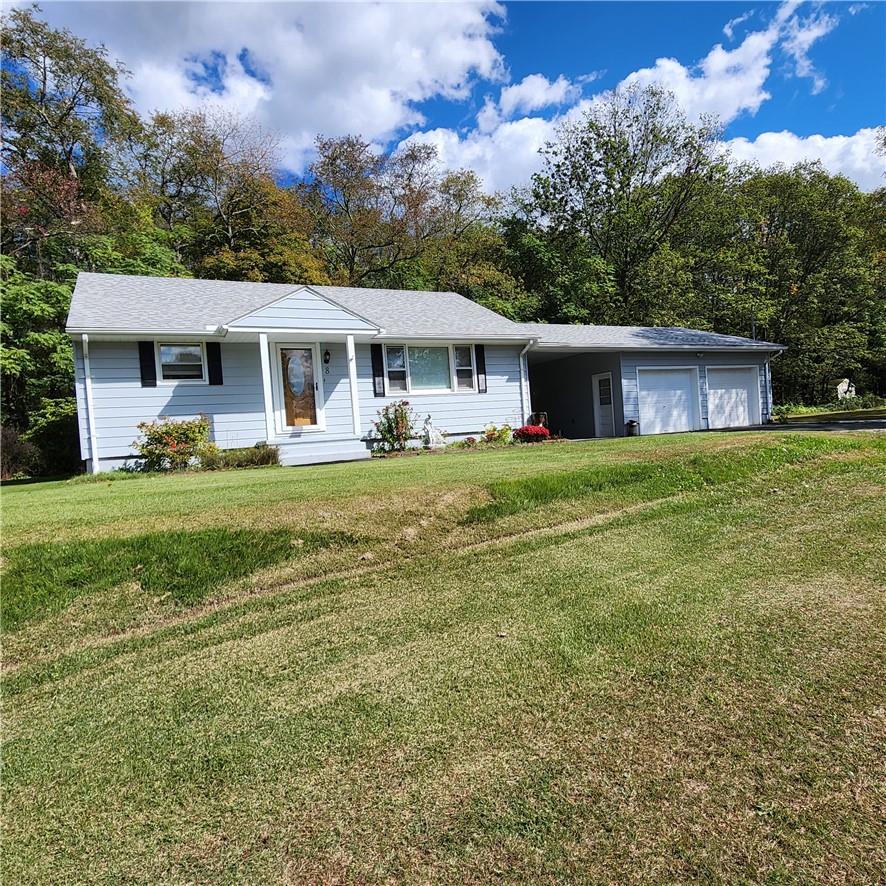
323,452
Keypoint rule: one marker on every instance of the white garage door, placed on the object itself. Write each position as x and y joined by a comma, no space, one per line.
668,400
733,397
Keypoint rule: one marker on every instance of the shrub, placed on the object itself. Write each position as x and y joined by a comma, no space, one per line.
532,434
18,456
247,457
394,427
493,434
170,445
53,430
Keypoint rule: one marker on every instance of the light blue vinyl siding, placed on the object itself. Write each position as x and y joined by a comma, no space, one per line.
457,414
630,362
236,408
303,310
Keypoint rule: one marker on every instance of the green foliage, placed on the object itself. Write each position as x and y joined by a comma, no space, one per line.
36,359
395,426
170,444
494,434
18,457
53,429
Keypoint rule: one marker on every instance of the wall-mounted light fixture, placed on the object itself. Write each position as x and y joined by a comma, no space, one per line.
326,357
699,354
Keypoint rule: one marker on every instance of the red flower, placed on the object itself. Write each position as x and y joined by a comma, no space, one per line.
532,434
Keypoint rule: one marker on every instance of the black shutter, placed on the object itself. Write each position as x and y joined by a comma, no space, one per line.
213,362
378,371
148,364
480,358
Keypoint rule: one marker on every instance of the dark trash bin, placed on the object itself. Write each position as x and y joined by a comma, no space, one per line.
632,427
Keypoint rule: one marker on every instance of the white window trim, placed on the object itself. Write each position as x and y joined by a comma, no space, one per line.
424,392
280,427
158,343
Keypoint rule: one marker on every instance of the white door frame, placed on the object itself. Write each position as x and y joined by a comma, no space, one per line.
595,388
699,422
281,428
755,368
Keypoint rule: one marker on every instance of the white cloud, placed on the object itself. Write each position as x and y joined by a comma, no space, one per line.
327,68
535,92
801,35
506,156
854,156
532,93
732,24
308,68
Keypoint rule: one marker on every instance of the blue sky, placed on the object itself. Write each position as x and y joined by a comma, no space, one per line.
487,83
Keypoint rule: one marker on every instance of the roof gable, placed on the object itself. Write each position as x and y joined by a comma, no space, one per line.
303,309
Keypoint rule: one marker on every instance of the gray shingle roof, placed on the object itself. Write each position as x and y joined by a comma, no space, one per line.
407,312
168,304
635,337
122,303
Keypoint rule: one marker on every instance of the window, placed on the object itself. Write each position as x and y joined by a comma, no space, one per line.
183,362
396,357
418,368
429,369
464,367
604,386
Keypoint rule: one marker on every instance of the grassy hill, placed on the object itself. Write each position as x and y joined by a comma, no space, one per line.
653,659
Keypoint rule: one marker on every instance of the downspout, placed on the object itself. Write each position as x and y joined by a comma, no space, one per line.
524,379
90,407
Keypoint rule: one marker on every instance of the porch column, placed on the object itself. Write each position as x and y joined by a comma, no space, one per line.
265,355
525,398
352,382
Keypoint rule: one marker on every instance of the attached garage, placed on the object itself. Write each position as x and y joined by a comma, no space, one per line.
733,396
668,399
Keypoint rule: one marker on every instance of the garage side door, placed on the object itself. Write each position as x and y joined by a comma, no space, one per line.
733,397
668,400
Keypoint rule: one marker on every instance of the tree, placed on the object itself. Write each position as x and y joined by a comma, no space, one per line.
378,212
621,177
63,110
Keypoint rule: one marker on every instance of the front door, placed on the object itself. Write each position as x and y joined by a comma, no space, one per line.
604,423
299,386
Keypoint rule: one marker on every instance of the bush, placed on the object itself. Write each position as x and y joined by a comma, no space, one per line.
18,456
394,427
493,434
532,434
170,445
53,430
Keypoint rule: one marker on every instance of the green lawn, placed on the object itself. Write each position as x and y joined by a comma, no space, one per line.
649,660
